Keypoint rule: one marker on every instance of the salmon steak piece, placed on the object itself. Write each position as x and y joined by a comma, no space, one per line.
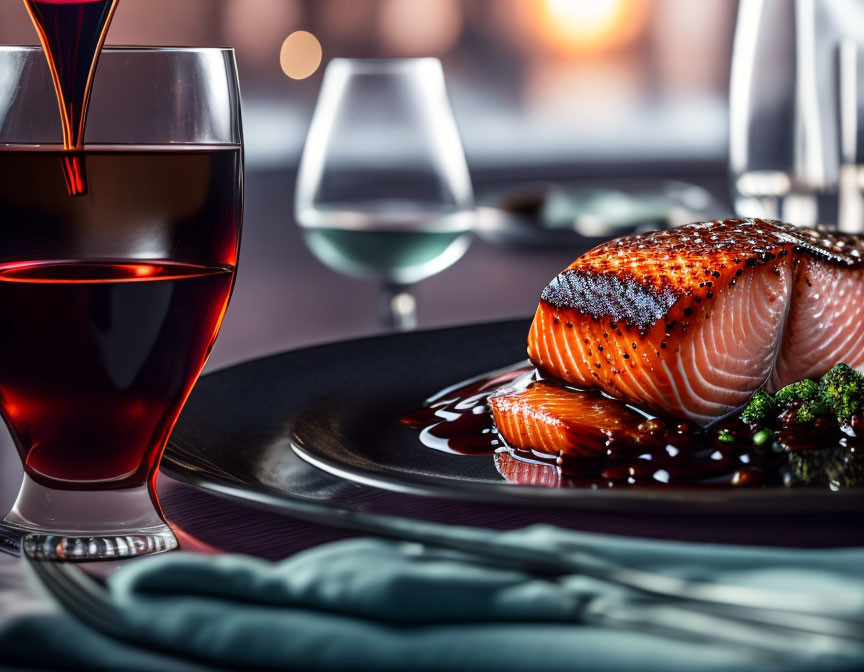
692,321
552,419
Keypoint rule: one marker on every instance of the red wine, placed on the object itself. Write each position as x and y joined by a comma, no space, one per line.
178,202
72,33
112,302
97,359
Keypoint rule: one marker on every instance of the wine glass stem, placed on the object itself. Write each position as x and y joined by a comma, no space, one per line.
397,308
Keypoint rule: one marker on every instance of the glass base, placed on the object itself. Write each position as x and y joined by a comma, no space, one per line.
80,525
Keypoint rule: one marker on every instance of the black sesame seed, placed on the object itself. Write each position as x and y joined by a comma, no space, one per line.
626,356
709,295
663,345
739,272
597,364
600,348
634,346
716,274
688,310
570,325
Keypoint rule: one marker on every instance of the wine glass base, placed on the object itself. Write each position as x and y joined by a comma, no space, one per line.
79,548
83,525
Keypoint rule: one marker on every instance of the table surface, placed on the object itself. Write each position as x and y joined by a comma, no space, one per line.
285,299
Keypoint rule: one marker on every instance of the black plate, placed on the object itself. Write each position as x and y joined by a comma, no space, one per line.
339,407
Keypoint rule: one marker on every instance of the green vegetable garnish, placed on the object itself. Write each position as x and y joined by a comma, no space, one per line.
840,393
725,436
763,436
800,391
762,405
843,389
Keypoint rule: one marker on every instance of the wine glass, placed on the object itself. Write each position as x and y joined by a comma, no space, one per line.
783,154
112,292
850,102
383,189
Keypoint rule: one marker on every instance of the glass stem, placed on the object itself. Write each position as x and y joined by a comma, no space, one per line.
397,309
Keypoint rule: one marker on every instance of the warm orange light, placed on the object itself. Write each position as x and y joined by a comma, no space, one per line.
573,27
300,55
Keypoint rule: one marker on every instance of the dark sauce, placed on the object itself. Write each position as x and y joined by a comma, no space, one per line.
655,451
458,419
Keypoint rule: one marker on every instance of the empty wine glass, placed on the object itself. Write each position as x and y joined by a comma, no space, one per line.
850,67
783,153
383,189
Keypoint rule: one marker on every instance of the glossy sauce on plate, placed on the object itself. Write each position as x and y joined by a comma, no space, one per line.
645,449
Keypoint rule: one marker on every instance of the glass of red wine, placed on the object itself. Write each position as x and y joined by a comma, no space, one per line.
117,262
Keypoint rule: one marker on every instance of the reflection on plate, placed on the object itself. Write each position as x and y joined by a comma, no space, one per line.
547,214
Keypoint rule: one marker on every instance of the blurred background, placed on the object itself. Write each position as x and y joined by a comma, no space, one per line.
551,91
530,81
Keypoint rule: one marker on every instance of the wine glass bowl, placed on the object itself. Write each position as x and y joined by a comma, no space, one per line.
383,190
113,294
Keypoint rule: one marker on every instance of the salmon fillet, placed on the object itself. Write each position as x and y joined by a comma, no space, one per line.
551,419
693,320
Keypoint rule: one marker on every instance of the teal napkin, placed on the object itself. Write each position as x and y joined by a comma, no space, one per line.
386,605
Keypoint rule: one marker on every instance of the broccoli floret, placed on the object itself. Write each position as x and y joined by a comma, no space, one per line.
803,390
760,407
807,393
840,393
842,389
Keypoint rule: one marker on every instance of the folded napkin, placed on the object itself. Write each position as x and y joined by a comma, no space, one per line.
385,605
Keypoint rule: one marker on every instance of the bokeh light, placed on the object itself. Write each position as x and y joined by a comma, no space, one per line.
300,55
571,27
591,26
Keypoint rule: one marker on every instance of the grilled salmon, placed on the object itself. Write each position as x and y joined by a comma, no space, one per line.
693,320
549,418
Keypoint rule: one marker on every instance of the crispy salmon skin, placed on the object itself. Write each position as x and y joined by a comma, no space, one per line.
693,320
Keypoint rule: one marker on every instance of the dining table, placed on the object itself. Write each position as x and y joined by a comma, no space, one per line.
284,299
